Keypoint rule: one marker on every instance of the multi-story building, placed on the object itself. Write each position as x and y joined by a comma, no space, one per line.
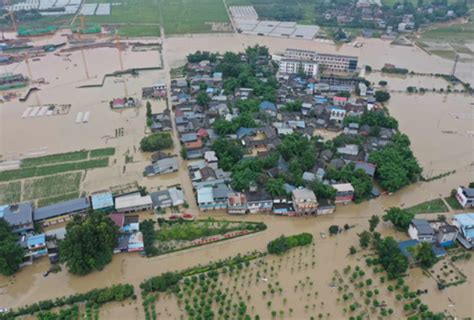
294,66
465,197
304,201
328,62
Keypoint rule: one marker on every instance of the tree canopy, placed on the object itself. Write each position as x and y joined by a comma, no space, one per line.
391,258
396,164
11,254
156,142
89,243
399,218
229,152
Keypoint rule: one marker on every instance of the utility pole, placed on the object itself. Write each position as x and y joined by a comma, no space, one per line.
12,17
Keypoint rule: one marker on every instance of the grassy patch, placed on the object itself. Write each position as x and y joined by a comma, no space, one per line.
432,206
52,200
54,185
139,30
129,12
191,16
52,169
104,152
461,32
453,203
55,158
10,192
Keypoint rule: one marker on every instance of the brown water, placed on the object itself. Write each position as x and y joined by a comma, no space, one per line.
422,117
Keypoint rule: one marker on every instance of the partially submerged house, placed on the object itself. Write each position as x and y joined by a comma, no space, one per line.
62,211
18,216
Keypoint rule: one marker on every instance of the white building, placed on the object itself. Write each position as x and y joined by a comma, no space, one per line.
134,202
291,66
421,230
465,197
328,62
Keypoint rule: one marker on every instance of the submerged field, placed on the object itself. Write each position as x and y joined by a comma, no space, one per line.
52,178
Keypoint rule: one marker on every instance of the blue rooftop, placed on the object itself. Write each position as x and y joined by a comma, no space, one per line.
242,132
267,105
465,219
37,240
102,200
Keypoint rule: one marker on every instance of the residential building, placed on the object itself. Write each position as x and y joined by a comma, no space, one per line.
421,230
367,167
258,200
162,166
304,201
36,245
135,242
205,198
268,107
339,101
134,202
328,62
465,224
102,201
465,197
237,203
18,216
337,115
294,66
445,233
61,212
344,193
326,207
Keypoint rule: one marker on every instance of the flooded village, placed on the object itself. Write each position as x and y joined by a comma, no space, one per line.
244,138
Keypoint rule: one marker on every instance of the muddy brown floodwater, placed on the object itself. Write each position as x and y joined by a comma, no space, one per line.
439,126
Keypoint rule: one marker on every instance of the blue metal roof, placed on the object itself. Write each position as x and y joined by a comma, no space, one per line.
36,240
465,219
102,200
242,132
267,105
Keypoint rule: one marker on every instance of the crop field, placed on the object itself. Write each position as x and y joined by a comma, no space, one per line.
55,158
45,187
10,192
190,16
30,172
105,152
143,18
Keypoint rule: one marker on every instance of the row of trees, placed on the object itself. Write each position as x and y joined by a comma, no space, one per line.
282,244
11,254
118,292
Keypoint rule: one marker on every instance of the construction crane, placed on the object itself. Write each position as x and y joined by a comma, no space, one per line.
30,74
12,17
79,30
117,45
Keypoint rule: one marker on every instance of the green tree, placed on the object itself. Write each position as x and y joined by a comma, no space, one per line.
424,255
148,109
323,191
275,187
391,258
373,222
364,239
333,229
11,254
352,250
399,218
203,99
156,142
89,243
229,152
